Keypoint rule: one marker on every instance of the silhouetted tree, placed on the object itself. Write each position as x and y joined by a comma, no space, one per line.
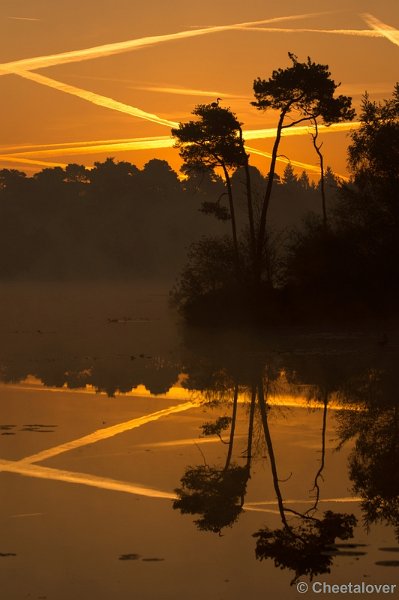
215,141
289,178
301,92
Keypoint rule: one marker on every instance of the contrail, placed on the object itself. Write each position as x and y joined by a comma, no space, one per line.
348,32
40,62
97,99
153,142
295,163
382,29
24,18
40,163
258,134
185,91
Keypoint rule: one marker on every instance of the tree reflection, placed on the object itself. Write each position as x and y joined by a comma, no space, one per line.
306,547
374,461
305,542
216,493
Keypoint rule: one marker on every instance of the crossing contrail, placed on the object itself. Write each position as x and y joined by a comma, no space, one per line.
107,432
152,142
40,62
391,33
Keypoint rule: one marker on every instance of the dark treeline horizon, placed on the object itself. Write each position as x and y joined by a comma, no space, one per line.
117,221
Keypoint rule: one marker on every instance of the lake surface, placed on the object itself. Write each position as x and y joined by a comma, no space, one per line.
142,459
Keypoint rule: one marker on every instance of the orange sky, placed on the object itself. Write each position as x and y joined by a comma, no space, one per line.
90,79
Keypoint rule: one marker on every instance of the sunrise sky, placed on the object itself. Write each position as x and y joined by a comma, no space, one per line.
86,79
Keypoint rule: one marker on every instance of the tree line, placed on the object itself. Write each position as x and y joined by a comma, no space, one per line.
118,221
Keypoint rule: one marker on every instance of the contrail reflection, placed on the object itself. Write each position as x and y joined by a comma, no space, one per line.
107,432
29,470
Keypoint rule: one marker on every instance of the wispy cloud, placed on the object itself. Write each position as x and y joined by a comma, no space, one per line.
40,62
391,33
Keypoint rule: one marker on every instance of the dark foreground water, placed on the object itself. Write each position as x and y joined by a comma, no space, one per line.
140,459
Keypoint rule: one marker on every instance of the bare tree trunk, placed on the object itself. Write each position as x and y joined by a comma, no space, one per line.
317,147
233,222
268,193
249,204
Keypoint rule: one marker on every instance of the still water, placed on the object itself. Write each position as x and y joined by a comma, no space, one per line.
141,459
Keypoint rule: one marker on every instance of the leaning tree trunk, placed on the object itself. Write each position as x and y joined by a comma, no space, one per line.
233,222
269,445
249,203
266,200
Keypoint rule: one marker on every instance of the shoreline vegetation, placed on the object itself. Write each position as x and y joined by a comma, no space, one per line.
250,249
342,263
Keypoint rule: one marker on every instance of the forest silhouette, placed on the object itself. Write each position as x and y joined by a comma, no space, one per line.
278,249
117,221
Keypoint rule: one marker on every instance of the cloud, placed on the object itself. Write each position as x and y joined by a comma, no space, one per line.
40,62
382,29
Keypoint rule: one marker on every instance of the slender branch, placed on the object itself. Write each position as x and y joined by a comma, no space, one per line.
317,147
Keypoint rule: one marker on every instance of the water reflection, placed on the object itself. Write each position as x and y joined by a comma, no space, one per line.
306,542
242,380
